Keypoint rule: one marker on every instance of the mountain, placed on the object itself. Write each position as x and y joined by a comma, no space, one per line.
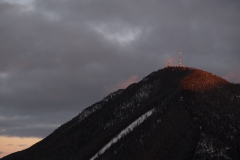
173,113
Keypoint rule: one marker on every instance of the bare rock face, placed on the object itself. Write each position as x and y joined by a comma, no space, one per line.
173,113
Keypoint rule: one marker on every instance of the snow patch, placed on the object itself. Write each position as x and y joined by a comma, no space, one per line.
207,146
124,132
86,112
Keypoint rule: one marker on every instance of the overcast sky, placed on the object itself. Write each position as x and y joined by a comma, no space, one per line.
58,57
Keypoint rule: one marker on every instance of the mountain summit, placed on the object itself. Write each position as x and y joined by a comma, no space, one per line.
173,113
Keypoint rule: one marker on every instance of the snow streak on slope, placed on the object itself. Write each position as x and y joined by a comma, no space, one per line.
86,112
124,132
210,147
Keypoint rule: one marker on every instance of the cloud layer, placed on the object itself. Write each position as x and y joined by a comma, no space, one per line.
59,57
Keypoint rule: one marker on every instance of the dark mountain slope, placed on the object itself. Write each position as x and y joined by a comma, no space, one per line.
195,116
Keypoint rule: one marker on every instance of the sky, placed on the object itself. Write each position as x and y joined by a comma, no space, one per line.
58,57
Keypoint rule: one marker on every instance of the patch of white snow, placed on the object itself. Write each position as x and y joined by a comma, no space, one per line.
124,132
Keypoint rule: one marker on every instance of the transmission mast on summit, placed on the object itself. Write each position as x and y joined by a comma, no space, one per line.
180,56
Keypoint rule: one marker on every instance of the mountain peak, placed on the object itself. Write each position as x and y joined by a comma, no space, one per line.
156,118
199,80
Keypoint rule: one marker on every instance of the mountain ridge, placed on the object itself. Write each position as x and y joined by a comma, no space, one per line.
179,97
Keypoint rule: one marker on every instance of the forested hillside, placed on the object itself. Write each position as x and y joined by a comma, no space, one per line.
173,113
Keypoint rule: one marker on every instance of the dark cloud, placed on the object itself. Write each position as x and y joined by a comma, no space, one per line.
58,57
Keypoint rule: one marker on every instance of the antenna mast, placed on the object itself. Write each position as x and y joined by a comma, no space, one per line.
180,56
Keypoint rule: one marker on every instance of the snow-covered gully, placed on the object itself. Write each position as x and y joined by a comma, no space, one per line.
124,132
